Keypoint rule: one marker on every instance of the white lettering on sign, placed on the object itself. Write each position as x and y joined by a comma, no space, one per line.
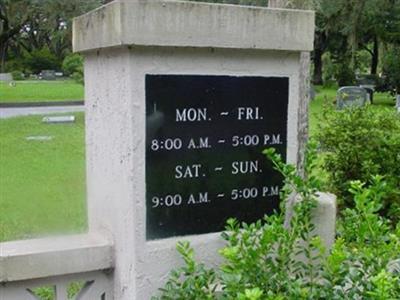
191,114
191,171
168,200
254,192
197,199
249,113
203,148
256,140
245,167
270,191
200,144
167,144
274,139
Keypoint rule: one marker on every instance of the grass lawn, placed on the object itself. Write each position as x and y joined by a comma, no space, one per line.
42,183
34,91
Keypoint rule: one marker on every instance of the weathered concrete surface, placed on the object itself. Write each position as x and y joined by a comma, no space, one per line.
190,24
304,89
323,217
304,99
38,258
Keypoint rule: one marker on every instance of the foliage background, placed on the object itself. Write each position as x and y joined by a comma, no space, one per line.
351,36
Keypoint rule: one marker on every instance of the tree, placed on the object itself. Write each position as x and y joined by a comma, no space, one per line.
50,25
343,27
28,25
320,45
13,15
380,23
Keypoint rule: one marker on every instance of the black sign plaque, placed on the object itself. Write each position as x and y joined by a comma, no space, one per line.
204,138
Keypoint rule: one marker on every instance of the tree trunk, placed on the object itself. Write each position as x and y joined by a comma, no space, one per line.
3,53
375,57
317,76
5,37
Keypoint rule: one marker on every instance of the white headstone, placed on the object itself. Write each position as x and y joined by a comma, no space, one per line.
39,138
58,119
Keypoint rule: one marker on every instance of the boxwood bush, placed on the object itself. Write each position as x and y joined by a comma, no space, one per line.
358,143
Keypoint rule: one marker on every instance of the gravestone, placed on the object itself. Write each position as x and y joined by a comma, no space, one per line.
181,98
48,75
348,96
58,119
39,138
6,77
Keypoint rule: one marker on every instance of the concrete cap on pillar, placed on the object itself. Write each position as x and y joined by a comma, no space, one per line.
193,24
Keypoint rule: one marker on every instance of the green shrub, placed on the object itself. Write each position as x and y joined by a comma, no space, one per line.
72,63
78,76
261,260
42,59
364,262
357,144
73,66
17,75
13,64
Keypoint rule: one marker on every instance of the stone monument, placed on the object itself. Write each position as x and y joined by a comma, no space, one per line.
181,98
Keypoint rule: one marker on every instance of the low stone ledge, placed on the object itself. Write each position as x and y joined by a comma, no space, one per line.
38,258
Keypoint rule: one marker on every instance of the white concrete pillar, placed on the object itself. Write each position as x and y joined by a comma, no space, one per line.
123,42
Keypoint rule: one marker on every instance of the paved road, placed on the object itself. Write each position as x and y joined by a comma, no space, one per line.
42,110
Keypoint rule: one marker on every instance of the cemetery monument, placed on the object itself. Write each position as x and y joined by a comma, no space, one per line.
181,98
